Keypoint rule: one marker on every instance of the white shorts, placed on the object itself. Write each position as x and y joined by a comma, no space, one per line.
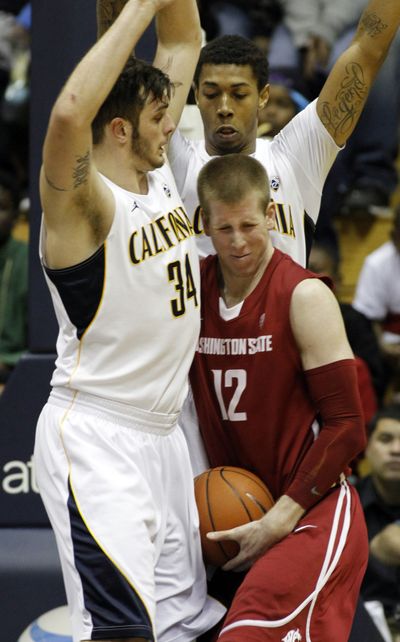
118,488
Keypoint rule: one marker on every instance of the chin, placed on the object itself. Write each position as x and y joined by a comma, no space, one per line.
156,163
225,147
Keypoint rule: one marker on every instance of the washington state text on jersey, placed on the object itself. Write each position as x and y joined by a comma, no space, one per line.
249,345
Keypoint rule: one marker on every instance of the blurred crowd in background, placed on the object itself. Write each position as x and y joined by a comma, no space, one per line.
358,233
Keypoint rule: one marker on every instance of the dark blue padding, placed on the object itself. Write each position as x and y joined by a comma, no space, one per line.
115,607
80,288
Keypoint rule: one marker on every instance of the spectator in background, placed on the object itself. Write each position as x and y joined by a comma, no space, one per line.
380,497
13,283
284,102
308,33
254,19
14,102
377,296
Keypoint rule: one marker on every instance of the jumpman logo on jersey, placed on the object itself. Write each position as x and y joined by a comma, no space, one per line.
167,191
292,636
134,207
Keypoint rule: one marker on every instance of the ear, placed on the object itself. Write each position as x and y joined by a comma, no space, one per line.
120,129
205,221
263,97
270,215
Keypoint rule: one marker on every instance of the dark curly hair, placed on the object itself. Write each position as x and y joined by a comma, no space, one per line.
137,81
390,411
234,50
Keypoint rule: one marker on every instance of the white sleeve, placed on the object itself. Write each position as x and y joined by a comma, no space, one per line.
312,152
178,153
368,298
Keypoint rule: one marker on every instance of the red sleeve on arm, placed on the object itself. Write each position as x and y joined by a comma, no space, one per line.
334,391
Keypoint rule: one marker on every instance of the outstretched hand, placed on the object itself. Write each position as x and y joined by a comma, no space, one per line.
260,535
109,10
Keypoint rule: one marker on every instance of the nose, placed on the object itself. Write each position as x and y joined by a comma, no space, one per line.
169,124
396,447
224,107
237,240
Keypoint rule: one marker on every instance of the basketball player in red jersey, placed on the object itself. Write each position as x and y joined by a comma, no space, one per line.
275,388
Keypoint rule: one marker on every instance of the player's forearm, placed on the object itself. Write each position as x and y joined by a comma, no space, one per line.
386,545
178,24
107,11
334,391
284,514
93,78
346,90
376,29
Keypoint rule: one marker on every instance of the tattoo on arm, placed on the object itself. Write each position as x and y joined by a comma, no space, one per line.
49,182
107,12
79,175
339,117
81,171
372,24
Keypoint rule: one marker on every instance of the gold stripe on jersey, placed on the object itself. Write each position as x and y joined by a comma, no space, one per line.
160,235
284,220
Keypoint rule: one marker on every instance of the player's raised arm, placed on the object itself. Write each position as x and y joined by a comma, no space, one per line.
107,11
345,92
178,48
77,207
178,43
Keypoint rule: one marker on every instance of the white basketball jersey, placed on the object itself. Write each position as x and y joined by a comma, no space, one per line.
297,161
131,336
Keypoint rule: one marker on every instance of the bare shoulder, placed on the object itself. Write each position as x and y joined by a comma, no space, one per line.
314,309
317,324
311,293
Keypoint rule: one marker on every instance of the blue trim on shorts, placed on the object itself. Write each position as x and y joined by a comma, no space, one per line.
115,607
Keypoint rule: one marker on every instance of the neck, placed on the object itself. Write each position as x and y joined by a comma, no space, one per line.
233,288
120,171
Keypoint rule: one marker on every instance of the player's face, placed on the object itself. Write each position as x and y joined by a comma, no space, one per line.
383,450
154,130
278,111
240,234
229,102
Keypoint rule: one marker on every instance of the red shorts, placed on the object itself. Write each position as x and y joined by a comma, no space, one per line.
305,587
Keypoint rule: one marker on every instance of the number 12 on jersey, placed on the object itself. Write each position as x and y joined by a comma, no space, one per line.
236,379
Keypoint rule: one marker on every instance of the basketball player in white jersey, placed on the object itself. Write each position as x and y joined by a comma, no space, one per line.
231,86
121,262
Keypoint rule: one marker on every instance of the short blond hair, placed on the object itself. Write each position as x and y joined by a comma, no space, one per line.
230,178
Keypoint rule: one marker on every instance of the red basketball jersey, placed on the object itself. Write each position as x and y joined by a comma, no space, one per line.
248,383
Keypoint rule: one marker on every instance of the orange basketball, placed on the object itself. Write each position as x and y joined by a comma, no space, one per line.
226,497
